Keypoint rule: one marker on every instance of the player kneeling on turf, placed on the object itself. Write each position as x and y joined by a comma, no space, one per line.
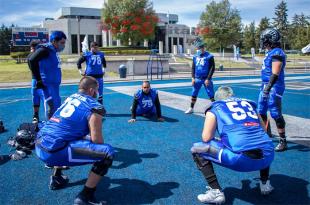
243,146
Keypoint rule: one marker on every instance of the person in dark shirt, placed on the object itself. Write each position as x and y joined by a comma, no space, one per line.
146,103
37,94
45,65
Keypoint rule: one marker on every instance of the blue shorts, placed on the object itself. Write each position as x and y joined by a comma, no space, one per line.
197,85
76,153
37,94
141,111
51,97
238,161
273,103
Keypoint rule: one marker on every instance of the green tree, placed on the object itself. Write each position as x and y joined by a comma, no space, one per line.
281,22
130,19
299,31
5,37
249,40
220,25
263,24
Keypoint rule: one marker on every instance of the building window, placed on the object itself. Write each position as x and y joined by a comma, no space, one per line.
90,39
99,40
74,44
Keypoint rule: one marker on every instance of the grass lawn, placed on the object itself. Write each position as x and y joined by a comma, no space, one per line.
10,71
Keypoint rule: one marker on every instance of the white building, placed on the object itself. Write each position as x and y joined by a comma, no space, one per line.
77,23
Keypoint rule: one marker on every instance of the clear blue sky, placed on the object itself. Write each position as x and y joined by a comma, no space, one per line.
33,12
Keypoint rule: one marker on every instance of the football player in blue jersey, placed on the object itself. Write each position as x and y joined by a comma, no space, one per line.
146,103
95,66
203,67
273,85
37,94
73,137
45,65
242,145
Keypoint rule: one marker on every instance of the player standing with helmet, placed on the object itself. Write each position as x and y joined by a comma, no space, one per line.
273,85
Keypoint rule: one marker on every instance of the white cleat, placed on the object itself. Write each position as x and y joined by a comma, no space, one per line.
189,111
266,188
214,196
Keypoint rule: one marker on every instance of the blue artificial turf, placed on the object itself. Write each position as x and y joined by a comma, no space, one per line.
153,164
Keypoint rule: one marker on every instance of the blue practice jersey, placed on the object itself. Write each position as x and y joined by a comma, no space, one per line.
94,63
274,54
238,125
50,67
146,102
69,122
202,64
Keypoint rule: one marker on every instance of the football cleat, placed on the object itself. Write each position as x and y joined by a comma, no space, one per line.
58,182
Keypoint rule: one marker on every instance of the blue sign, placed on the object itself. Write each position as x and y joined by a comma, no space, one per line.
23,36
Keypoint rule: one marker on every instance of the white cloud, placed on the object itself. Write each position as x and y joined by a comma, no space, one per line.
28,18
84,3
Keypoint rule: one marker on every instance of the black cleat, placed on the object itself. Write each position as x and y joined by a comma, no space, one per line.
58,182
35,119
282,146
82,200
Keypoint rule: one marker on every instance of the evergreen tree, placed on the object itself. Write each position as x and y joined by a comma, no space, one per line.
249,37
281,22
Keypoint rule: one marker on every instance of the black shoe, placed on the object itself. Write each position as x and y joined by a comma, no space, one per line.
35,119
58,182
82,200
282,146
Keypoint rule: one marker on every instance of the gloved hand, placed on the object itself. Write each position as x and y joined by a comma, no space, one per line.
39,84
81,72
265,95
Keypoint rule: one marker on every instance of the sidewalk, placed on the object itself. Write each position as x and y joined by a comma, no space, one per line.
176,75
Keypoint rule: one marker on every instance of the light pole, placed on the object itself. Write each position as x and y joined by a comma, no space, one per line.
78,18
167,33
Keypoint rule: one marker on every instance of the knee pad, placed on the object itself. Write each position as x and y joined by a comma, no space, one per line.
280,122
101,167
264,117
200,161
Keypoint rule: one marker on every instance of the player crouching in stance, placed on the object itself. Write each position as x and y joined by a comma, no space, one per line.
146,103
243,146
73,137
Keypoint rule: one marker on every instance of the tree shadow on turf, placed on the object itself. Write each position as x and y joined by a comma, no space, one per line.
76,183
154,119
133,191
4,159
118,115
287,190
295,145
127,157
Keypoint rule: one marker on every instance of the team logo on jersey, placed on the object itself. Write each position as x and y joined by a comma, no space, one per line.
55,119
250,124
